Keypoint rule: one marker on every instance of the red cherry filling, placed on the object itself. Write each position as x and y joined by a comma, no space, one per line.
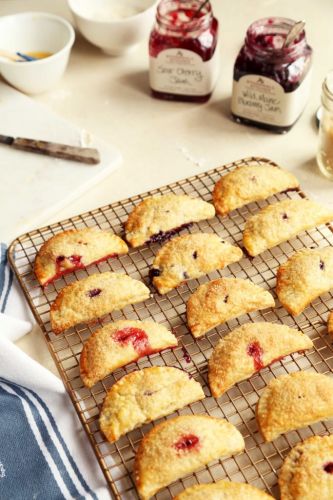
94,292
135,336
186,355
187,443
328,467
73,259
255,351
76,260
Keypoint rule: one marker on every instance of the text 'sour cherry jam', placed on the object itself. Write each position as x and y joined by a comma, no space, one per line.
271,81
182,50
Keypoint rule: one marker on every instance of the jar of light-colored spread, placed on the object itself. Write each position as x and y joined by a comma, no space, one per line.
325,148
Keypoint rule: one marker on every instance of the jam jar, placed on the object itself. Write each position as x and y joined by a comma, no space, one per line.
183,62
271,80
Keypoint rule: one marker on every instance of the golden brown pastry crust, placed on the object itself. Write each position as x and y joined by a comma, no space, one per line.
157,215
93,297
248,183
119,343
179,446
330,323
190,256
248,349
223,490
220,300
75,249
306,473
293,401
303,277
279,222
145,395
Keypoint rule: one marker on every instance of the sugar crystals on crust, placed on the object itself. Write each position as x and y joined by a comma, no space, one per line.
249,183
159,217
191,256
93,297
220,300
277,223
293,401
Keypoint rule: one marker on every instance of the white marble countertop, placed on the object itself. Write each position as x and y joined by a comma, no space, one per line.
164,141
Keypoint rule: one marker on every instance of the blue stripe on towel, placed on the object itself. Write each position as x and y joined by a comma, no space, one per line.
52,446
23,470
59,436
10,283
3,263
6,278
66,450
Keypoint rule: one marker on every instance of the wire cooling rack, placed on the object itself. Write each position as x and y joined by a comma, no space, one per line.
260,463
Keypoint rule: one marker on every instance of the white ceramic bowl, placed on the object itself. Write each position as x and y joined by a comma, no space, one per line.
35,32
101,23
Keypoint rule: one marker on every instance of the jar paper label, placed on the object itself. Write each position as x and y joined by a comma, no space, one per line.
263,100
183,72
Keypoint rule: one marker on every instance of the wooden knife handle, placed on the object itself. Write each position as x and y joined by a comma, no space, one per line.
83,155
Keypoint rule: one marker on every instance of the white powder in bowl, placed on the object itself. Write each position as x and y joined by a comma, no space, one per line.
112,10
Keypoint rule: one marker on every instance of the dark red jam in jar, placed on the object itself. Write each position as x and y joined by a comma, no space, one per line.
271,81
182,50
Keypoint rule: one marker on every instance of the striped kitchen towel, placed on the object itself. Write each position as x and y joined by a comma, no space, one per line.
16,321
44,451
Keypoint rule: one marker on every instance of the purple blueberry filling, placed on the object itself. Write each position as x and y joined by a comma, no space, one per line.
94,292
226,299
153,273
328,468
284,216
322,265
167,235
195,255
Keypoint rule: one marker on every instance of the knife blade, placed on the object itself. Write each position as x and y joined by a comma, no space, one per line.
74,153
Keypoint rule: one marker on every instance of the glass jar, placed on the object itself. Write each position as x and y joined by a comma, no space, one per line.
271,82
182,49
325,149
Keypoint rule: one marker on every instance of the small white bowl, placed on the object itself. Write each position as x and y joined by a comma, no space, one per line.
35,32
100,22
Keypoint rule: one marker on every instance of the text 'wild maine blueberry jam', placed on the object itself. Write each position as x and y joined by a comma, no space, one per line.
271,79
182,50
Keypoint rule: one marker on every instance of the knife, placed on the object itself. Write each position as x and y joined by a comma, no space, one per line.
74,153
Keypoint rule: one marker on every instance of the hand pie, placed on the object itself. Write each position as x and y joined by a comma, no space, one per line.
117,344
307,471
330,323
293,401
223,490
279,222
160,217
303,277
218,301
250,183
180,446
93,297
75,249
248,349
145,395
191,256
